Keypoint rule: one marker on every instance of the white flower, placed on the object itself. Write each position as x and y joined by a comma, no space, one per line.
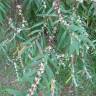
39,73
49,47
93,0
87,47
23,25
18,6
80,1
18,30
37,80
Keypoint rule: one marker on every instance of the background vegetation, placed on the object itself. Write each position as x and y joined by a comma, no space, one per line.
47,48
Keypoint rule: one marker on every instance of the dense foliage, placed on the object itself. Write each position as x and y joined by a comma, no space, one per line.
50,45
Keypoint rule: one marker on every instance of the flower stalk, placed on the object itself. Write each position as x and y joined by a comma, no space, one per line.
37,80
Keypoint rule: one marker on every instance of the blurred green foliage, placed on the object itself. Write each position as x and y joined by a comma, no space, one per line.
67,52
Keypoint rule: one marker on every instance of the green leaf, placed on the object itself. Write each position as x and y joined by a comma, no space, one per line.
14,92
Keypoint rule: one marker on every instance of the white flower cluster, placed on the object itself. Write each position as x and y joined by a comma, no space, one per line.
44,4
10,22
56,6
36,81
24,22
93,0
80,1
19,9
53,87
20,13
48,49
79,20
59,56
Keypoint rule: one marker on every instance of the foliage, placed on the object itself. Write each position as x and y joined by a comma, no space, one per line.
63,41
